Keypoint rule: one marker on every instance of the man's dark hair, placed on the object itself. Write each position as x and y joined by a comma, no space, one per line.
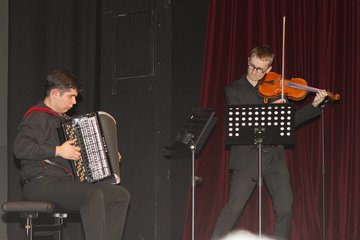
61,79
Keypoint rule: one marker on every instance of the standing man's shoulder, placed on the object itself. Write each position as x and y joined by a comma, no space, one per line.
235,90
240,84
235,84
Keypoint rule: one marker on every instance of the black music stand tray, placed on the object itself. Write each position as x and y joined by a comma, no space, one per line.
260,124
195,130
193,136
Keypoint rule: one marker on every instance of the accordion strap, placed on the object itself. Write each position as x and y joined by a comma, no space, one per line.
47,110
58,165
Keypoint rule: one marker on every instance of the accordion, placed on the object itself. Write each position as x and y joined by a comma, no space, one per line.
95,134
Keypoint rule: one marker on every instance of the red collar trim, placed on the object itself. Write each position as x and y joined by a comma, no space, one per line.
33,109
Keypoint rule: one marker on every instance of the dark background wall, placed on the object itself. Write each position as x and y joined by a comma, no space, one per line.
4,26
141,62
188,39
135,88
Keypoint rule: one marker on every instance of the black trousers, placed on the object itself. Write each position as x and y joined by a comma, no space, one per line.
244,180
102,206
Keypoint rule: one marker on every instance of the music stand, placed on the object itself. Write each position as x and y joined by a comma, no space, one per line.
193,136
260,124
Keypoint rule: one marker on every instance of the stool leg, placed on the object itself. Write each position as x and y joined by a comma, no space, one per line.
28,227
58,221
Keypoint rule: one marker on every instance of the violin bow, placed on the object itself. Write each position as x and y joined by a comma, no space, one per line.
283,61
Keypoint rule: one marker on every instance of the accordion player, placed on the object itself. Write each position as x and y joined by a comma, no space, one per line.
95,134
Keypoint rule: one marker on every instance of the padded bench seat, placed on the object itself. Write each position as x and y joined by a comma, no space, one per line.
31,209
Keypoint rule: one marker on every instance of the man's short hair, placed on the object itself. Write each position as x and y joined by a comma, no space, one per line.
61,79
263,52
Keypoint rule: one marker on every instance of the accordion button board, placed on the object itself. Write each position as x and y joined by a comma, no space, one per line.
94,164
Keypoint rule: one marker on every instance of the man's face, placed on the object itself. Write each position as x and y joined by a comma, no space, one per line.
63,101
257,68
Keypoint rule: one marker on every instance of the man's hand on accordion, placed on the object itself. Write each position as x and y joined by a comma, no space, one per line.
68,151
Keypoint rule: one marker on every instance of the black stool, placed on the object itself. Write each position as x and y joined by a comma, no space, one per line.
30,210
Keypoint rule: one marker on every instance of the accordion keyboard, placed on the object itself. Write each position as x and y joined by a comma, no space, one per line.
94,164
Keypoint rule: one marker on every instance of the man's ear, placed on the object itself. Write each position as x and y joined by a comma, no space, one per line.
55,92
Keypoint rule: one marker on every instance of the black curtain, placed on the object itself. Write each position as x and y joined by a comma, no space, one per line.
46,35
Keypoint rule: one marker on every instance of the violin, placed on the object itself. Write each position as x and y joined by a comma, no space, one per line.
274,85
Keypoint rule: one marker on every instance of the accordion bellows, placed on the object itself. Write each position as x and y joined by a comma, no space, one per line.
96,135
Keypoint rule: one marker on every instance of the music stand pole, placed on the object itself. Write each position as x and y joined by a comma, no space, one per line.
258,141
323,169
259,187
193,193
193,185
193,182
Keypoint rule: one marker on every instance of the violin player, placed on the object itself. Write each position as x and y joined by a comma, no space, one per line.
244,158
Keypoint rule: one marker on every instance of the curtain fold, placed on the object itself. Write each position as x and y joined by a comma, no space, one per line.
322,46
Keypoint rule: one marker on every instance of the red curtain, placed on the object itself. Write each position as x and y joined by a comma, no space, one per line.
322,46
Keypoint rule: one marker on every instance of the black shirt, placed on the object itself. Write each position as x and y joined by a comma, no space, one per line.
36,140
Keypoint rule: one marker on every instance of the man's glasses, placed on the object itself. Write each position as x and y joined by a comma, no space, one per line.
258,70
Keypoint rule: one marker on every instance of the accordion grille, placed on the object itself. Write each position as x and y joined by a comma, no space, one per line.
93,164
